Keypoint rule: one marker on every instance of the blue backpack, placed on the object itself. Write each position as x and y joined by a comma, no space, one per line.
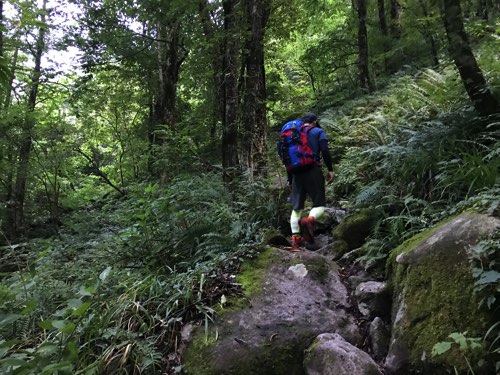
293,146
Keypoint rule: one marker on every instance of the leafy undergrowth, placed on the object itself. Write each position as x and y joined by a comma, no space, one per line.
418,153
112,292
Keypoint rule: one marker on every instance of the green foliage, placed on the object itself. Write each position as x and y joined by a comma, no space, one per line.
486,270
466,345
111,293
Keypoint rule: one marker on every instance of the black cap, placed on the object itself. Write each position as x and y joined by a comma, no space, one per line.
310,117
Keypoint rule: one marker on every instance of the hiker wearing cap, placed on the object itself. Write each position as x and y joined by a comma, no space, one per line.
310,182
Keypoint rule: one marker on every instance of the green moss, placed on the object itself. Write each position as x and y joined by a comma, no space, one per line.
318,268
311,347
281,360
269,234
252,271
355,228
439,298
197,360
275,359
407,246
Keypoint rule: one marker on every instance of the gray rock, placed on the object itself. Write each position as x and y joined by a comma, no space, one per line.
330,354
355,280
334,250
321,241
434,295
330,218
379,336
292,298
373,299
355,227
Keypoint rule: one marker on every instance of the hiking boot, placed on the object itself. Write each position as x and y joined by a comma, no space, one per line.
307,228
297,242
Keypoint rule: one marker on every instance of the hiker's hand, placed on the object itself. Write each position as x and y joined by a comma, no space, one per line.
329,177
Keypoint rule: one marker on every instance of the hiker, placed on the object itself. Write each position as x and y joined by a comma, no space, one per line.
307,178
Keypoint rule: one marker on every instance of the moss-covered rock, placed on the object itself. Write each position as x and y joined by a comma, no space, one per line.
330,354
433,296
273,237
289,299
355,228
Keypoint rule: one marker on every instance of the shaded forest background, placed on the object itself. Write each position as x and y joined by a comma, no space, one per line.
135,181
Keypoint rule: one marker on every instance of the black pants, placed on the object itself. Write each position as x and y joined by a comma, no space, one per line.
308,183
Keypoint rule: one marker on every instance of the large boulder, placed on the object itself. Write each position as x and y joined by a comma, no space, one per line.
330,354
373,299
355,227
290,299
434,297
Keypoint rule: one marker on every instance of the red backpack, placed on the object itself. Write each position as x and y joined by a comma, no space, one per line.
293,146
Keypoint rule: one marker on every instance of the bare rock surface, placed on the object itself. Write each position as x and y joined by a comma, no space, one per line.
330,354
291,299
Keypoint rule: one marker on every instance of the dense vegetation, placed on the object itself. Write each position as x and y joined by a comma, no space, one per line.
133,184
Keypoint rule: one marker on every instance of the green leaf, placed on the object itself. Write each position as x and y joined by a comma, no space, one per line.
6,346
440,348
45,324
51,369
47,349
489,277
71,350
74,303
87,290
460,339
64,326
30,306
104,274
7,319
13,362
81,310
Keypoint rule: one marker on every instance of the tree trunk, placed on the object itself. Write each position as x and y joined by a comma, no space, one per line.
230,162
1,25
169,63
382,21
428,34
461,52
16,208
381,18
10,84
482,10
364,73
216,59
394,12
254,110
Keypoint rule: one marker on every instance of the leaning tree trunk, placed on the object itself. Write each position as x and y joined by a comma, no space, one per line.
230,162
254,111
364,73
16,207
461,52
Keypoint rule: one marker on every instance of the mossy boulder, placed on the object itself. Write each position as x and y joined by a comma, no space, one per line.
290,298
330,354
355,227
433,296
